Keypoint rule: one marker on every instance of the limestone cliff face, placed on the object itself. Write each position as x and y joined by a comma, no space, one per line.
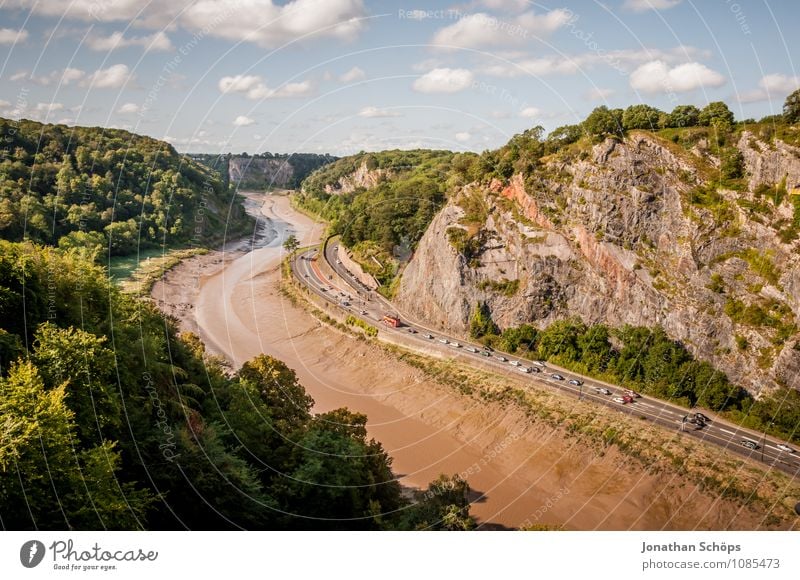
614,236
260,173
362,177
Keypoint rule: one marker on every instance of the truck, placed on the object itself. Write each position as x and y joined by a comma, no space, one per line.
392,320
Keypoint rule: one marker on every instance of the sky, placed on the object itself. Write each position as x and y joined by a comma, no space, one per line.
343,76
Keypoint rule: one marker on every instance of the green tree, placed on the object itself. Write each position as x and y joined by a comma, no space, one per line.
716,114
641,117
481,322
443,506
603,122
290,244
683,116
791,107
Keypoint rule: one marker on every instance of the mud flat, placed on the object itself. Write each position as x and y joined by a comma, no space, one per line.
524,472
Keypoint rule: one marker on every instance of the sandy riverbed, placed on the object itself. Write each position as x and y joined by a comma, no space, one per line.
525,474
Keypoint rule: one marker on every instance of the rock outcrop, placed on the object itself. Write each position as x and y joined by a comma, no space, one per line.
617,235
260,173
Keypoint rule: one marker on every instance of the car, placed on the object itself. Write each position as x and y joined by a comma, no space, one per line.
701,417
535,370
501,358
602,391
306,275
345,303
557,377
618,400
524,369
785,448
412,331
323,289
363,312
485,353
471,349
444,341
575,382
538,363
488,348
429,336
749,444
338,261
516,363
631,393
456,345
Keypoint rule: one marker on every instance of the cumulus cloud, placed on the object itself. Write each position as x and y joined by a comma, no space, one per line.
444,80
242,121
645,5
483,30
354,74
771,86
129,108
530,113
377,113
66,77
253,87
12,36
112,77
265,22
156,41
462,136
268,24
658,77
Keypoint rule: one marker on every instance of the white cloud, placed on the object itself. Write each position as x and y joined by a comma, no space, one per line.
11,36
129,108
253,87
483,30
268,24
658,77
112,77
242,121
66,77
377,113
623,60
444,80
530,113
47,108
599,94
462,136
354,74
644,5
156,41
499,115
771,86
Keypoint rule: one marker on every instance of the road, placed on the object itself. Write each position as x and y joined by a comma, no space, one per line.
344,290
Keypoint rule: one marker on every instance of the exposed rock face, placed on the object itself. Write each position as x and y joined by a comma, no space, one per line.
355,268
612,236
362,177
260,172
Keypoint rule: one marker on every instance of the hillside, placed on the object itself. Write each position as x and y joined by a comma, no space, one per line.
693,229
381,203
264,171
77,186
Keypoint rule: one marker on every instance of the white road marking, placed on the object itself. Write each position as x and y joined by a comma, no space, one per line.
726,431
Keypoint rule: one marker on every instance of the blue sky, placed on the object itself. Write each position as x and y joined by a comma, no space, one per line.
341,76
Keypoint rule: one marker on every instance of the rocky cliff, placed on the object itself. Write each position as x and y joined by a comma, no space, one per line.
260,173
628,232
363,177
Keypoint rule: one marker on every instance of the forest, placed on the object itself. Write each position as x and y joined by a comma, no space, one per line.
81,186
112,420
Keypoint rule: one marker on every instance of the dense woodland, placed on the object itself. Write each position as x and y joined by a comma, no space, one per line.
111,420
79,186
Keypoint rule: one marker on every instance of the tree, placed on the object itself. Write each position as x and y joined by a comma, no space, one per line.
290,244
683,116
791,107
603,122
563,136
716,114
481,322
443,506
641,117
